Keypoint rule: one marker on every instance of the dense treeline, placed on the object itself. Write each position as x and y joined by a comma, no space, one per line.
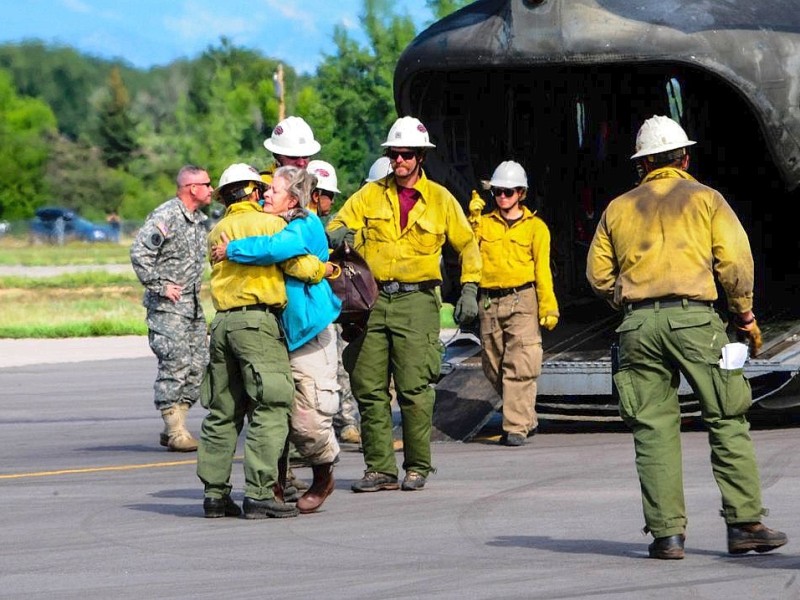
97,135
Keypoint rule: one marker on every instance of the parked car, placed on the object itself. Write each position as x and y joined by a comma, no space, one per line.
56,225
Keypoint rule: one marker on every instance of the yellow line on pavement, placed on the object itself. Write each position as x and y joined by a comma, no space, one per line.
174,463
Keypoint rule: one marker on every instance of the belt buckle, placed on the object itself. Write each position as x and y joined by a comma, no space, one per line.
392,287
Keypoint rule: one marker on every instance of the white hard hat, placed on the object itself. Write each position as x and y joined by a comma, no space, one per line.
237,173
326,175
379,169
408,132
660,134
292,137
509,174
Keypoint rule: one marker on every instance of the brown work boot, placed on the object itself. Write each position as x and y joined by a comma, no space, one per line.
322,487
178,437
744,537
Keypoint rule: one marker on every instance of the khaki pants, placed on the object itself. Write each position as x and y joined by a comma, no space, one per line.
512,355
316,398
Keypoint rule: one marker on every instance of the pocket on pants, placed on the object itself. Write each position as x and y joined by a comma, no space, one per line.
733,391
205,389
629,403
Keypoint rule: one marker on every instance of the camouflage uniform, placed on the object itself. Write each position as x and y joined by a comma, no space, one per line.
171,248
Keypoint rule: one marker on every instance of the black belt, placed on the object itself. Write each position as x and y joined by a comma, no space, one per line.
259,307
500,292
668,303
397,287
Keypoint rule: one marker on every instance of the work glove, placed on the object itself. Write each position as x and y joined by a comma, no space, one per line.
476,204
548,322
749,333
467,306
338,236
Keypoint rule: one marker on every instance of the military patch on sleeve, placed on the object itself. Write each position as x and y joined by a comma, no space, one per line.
154,240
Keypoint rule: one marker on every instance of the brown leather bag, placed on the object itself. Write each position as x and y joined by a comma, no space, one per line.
354,285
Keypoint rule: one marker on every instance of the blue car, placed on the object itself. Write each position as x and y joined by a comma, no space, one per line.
57,225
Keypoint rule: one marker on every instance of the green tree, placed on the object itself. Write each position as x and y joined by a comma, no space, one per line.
115,130
27,126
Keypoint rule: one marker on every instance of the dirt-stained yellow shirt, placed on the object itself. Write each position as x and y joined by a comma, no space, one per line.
671,236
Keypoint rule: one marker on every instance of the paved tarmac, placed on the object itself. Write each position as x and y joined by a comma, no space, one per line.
93,508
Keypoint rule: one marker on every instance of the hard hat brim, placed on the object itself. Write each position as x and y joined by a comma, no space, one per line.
663,148
313,147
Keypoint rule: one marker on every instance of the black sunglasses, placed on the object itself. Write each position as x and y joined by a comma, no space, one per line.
205,183
507,192
395,154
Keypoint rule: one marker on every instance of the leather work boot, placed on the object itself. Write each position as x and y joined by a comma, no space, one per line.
744,537
322,487
667,548
270,508
221,507
178,437
512,439
375,482
413,481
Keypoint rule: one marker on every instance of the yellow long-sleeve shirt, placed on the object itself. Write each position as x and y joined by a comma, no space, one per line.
517,254
233,284
411,255
669,237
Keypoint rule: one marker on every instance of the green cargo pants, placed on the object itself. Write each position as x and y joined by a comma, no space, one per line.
249,371
401,341
655,345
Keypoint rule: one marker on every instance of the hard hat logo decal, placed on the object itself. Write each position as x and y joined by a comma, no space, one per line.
323,172
278,130
421,128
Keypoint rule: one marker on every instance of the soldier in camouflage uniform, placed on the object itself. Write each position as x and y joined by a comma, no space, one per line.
169,258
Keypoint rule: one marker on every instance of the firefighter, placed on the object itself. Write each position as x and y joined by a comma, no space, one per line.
399,225
327,187
292,143
516,297
657,254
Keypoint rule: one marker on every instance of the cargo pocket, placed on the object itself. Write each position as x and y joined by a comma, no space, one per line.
205,389
733,390
629,403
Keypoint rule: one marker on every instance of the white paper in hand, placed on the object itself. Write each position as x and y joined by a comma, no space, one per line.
734,355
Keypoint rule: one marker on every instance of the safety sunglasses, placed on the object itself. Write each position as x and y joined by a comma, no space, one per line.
406,154
507,192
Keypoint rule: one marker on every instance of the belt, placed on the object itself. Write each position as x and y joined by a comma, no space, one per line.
259,307
668,303
397,287
499,292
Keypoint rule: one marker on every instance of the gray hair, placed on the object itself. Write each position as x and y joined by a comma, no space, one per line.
301,183
186,172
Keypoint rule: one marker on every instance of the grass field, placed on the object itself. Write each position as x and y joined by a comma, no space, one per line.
75,304
87,304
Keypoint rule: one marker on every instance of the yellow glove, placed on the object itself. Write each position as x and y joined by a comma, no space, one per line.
476,204
749,333
548,322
